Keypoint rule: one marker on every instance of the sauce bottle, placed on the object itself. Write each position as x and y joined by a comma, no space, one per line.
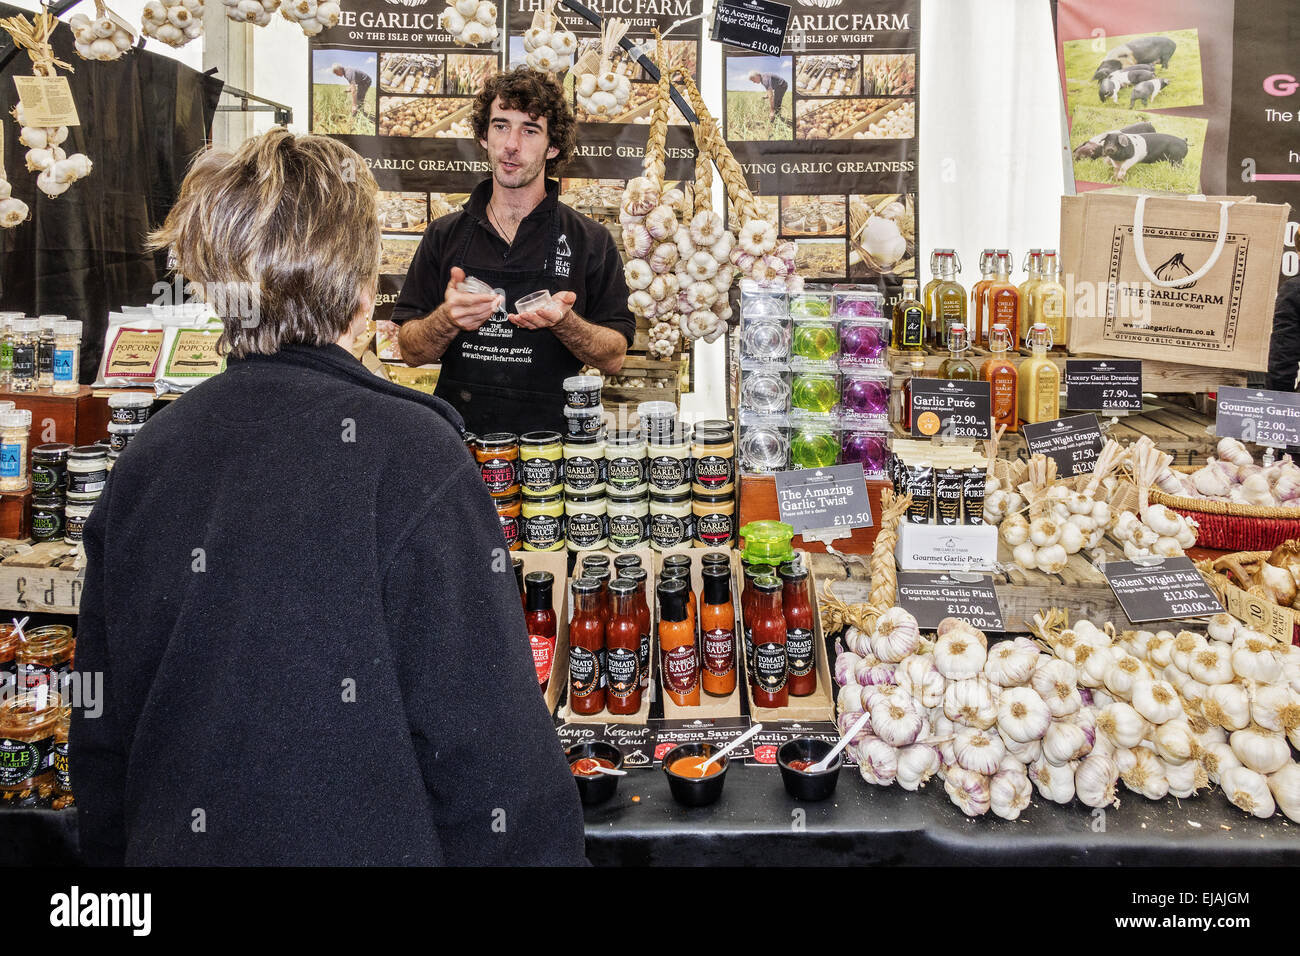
1000,373
539,614
682,573
916,370
927,298
747,604
771,668
979,316
1003,300
1047,300
519,580
587,647
718,632
601,576
623,651
680,664
623,562
909,320
957,366
798,613
1033,258
637,575
1040,379
949,296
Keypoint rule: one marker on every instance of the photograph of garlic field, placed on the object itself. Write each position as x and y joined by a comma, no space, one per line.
332,94
759,98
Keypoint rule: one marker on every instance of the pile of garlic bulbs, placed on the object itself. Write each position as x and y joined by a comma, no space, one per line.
175,23
256,12
470,22
46,156
312,16
102,38
600,90
548,44
1233,476
760,255
1154,530
13,211
1061,521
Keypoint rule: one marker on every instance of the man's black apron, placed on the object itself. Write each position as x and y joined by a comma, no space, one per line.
502,377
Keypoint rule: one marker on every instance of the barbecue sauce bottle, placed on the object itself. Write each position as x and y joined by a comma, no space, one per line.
718,632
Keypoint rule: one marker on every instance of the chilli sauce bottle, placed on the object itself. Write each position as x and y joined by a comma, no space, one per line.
798,613
718,632
623,651
601,576
677,572
539,613
979,316
587,647
681,665
1003,301
637,576
771,667
1000,373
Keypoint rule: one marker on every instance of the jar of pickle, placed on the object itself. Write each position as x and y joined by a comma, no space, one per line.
44,658
27,731
498,461
509,513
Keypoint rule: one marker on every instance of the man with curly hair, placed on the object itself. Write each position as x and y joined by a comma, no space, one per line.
503,367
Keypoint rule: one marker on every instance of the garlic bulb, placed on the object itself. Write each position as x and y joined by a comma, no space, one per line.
978,751
877,762
969,791
1218,759
1009,793
1255,661
1284,785
1054,682
1156,700
1022,715
918,676
896,635
1185,779
13,212
1211,665
1147,775
1260,750
958,656
1275,707
916,764
1248,790
1064,742
970,702
897,720
1122,724
1175,742
1095,780
174,23
1053,783
1011,663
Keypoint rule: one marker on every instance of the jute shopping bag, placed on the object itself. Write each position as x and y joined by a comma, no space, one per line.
1188,280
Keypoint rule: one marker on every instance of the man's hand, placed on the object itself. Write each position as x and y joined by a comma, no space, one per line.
554,313
468,310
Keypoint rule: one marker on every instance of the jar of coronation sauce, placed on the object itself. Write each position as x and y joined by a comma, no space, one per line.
713,456
625,464
541,458
629,521
543,524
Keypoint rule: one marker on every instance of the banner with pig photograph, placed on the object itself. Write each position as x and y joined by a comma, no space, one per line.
826,134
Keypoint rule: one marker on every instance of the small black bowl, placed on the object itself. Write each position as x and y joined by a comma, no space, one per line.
801,784
596,787
693,791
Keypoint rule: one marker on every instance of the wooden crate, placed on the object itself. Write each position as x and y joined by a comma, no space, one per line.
80,419
42,577
663,381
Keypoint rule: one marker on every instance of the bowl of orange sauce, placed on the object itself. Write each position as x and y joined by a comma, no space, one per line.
688,784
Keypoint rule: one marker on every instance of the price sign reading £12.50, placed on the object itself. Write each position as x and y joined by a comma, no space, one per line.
814,499
1255,415
950,408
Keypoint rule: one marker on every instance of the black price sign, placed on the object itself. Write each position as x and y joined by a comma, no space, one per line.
1258,416
931,597
719,732
1108,385
1166,591
636,741
1073,443
951,409
814,499
774,734
757,25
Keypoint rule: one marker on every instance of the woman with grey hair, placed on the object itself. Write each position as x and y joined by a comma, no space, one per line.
297,590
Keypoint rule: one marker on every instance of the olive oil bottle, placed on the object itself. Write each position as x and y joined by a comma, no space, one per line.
1040,379
957,366
927,298
909,320
949,297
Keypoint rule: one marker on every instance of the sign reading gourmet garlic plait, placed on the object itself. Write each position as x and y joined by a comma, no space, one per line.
826,134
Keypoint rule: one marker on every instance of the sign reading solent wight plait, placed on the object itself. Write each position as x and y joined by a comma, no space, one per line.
392,83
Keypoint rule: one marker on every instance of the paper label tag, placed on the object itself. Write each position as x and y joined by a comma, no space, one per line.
47,101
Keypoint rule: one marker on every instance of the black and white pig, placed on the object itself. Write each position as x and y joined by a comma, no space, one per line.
1142,50
1147,91
1109,86
1091,149
1126,149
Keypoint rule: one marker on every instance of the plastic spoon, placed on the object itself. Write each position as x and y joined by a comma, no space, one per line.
611,771
731,746
843,742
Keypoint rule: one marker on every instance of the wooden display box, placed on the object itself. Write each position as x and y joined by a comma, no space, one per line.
820,705
710,707
603,716
16,514
557,563
758,503
41,577
80,419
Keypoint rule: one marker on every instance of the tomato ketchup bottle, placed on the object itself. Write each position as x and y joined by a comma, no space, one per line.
718,632
798,612
638,576
623,651
770,664
539,614
747,596
681,665
587,647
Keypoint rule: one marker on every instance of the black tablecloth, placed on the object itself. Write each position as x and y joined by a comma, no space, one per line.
756,823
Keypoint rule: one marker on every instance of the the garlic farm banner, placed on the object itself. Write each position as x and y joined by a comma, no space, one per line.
826,134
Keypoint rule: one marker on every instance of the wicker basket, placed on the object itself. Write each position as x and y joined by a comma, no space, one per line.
1232,527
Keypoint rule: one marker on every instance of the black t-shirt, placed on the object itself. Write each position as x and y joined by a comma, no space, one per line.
602,291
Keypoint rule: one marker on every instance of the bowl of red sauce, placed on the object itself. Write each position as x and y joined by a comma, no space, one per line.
584,761
687,784
796,756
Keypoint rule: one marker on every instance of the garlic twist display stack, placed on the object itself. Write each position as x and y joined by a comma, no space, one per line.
600,90
46,156
549,45
470,22
102,38
175,23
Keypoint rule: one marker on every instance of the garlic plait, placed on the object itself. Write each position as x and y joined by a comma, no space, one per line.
549,45
103,37
175,22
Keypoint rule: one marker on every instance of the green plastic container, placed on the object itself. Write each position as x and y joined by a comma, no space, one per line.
767,542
